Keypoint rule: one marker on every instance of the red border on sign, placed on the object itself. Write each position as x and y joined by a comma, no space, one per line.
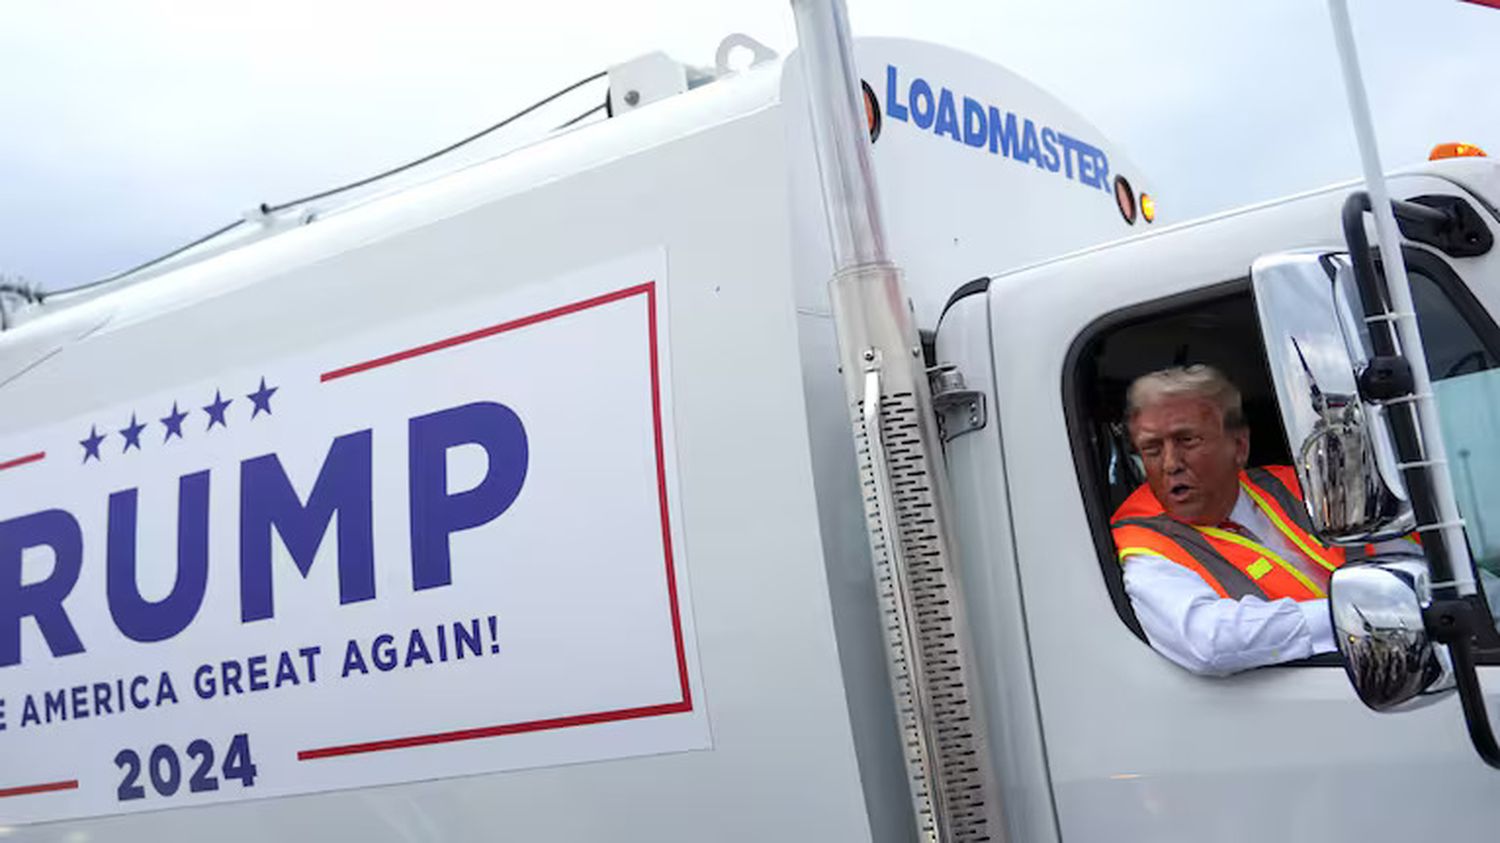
20,461
49,787
685,704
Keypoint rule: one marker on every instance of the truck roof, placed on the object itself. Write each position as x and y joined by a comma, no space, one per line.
1250,226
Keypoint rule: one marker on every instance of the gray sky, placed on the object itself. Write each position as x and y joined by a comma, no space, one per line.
130,128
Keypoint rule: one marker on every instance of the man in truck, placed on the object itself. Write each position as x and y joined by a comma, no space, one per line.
1220,562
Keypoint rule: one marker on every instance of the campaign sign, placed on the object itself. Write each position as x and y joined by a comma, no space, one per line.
447,546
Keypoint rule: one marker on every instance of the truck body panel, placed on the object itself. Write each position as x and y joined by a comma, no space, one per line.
782,755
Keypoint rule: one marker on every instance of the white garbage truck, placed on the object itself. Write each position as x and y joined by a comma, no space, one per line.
564,497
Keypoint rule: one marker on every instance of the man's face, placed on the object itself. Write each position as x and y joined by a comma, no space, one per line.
1192,462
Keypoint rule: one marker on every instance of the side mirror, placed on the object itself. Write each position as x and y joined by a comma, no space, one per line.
1378,624
1341,445
1404,640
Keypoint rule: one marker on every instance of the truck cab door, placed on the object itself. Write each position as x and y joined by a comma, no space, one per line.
1098,736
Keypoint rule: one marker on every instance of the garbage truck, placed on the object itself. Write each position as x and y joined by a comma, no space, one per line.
564,496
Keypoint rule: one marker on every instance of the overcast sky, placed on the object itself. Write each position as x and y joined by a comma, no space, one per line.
132,127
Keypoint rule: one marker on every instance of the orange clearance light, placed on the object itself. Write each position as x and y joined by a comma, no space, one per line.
1455,150
872,111
1125,199
1148,208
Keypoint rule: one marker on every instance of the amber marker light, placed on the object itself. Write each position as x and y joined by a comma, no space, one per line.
1148,208
872,111
1455,150
1125,199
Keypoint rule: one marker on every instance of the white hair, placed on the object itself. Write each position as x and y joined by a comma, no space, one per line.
1195,381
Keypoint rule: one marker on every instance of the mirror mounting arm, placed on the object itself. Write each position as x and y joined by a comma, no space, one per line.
1447,223
1375,303
1453,622
1450,619
1371,291
1386,378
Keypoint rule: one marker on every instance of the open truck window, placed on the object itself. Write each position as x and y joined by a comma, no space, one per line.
1217,326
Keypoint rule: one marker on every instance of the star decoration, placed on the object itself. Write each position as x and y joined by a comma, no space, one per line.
132,434
216,411
262,398
173,423
91,444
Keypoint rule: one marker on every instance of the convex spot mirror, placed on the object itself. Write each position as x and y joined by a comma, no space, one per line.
1341,445
1378,624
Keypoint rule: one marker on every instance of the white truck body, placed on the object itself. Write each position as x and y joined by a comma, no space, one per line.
785,724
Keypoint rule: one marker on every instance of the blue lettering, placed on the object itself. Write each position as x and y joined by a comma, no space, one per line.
1049,150
136,685
41,601
56,703
140,619
974,128
1101,168
922,103
466,638
436,514
1003,133
1070,149
203,682
29,715
979,125
893,108
1093,167
947,116
416,649
354,660
165,693
1029,151
231,672
268,502
383,652
311,653
257,672
286,670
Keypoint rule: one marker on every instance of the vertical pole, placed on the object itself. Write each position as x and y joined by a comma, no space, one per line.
1398,288
899,452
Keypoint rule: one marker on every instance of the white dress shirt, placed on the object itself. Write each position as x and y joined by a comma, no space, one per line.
1189,623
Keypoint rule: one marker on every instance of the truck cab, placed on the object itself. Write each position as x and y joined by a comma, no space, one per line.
1136,747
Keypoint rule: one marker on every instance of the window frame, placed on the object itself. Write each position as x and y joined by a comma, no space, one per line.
1458,294
1478,320
1077,418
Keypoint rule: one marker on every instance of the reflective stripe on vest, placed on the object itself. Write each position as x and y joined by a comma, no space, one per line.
1280,505
1233,565
1268,480
1185,546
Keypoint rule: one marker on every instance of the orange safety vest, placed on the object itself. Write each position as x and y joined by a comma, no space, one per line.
1235,566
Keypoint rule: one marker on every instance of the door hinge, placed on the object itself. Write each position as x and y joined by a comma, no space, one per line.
959,410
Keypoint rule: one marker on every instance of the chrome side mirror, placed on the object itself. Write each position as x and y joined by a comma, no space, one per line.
1377,622
1341,446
